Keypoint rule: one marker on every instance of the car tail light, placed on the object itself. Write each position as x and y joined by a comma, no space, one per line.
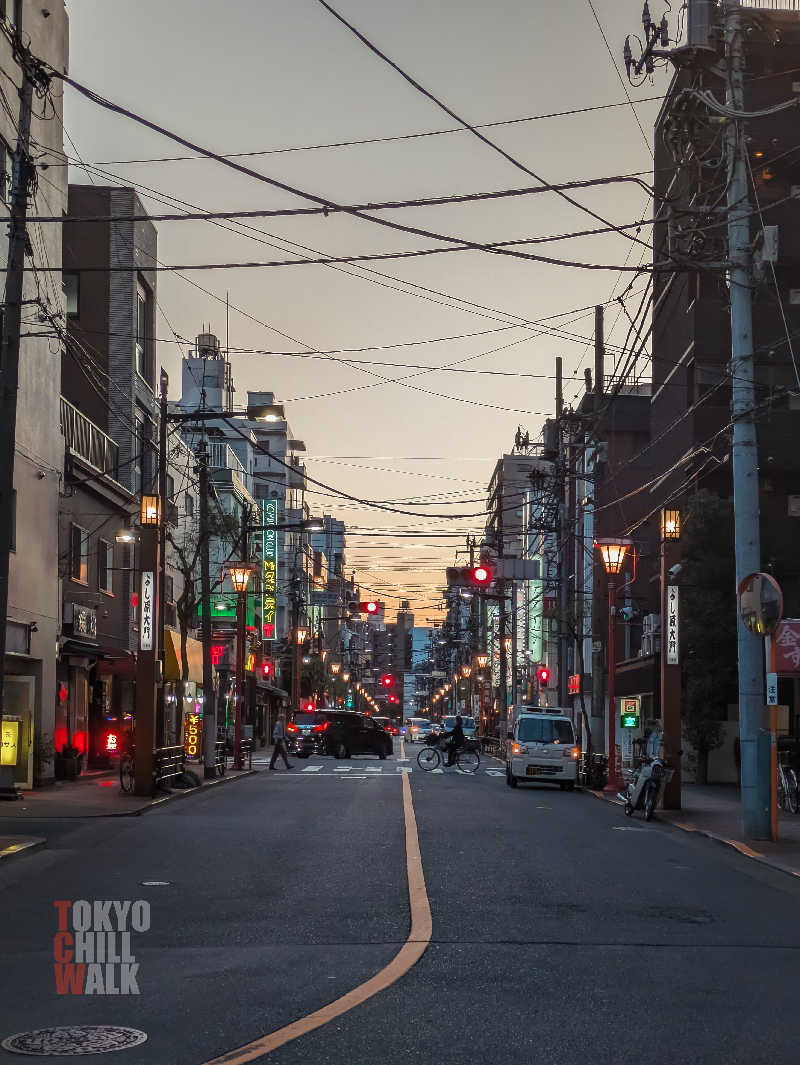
321,728
292,728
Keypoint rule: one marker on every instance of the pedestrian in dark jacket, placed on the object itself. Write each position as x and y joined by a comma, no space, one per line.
279,739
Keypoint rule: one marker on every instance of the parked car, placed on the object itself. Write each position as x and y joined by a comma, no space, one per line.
418,729
343,733
541,748
383,722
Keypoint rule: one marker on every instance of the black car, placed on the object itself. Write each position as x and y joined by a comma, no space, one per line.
300,737
341,733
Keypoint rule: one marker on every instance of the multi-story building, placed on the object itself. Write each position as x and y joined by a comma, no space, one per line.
31,694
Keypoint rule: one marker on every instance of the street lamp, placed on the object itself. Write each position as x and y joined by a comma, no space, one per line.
300,636
239,573
466,670
482,661
670,524
150,512
335,667
613,552
345,677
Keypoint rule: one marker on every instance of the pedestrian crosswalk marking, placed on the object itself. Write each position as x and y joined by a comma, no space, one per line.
374,769
313,768
495,773
342,769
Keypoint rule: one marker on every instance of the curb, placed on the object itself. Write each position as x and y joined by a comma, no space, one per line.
737,845
183,793
15,849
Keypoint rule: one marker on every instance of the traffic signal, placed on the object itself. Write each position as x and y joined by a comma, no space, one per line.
387,680
480,576
371,607
393,699
267,670
543,675
307,706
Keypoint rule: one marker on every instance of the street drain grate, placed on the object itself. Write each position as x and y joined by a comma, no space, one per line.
74,1040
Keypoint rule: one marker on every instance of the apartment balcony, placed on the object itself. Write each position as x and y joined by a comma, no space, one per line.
88,441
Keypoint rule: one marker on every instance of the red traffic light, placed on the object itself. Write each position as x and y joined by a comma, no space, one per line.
481,575
267,669
308,707
369,608
387,680
543,673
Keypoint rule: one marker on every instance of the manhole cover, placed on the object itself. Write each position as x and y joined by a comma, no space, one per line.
77,1039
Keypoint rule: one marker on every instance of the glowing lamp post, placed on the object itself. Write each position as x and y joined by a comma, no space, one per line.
239,574
613,552
300,636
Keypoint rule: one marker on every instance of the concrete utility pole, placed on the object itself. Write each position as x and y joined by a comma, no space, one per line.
745,450
162,555
23,176
209,695
563,538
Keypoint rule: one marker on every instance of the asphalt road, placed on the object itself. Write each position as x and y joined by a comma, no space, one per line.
563,932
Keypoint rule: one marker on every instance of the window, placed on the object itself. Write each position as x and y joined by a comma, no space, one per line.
169,588
70,282
540,730
105,566
79,554
143,302
189,505
138,449
170,487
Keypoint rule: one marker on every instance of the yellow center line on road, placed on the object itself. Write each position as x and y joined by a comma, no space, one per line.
407,957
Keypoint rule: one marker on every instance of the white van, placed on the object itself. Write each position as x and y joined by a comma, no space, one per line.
542,748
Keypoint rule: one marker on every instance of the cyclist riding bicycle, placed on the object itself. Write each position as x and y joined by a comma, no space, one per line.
455,740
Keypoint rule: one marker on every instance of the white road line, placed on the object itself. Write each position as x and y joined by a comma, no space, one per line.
495,773
342,769
313,768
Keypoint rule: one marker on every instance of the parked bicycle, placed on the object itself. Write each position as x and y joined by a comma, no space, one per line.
787,788
127,769
467,758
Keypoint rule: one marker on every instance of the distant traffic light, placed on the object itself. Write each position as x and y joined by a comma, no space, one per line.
371,607
267,669
387,680
543,675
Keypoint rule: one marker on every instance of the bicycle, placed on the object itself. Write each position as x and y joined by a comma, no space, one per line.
127,769
787,788
430,758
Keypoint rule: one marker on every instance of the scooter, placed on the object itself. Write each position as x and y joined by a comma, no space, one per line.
644,788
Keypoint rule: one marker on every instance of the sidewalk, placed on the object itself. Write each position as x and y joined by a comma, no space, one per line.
95,794
714,810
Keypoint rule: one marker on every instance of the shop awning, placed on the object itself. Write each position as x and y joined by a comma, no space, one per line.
172,657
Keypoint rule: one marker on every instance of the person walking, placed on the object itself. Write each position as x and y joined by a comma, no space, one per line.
279,739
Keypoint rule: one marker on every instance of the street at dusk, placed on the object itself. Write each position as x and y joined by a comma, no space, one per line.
399,586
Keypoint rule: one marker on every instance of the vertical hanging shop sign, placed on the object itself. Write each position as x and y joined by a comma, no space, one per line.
269,583
673,625
147,606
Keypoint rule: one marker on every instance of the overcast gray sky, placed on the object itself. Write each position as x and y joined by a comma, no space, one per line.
265,75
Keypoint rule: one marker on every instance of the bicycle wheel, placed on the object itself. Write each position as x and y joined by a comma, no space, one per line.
791,790
468,761
781,790
127,773
428,759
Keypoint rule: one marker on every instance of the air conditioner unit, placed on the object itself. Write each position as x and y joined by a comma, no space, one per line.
651,623
651,645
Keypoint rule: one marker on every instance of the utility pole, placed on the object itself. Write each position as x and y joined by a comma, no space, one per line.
503,621
23,178
563,538
209,694
162,547
745,450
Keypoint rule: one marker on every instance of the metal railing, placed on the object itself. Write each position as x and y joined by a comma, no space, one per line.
87,440
168,763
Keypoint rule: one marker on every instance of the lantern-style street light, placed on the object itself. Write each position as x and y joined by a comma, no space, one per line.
239,574
613,552
335,667
150,512
345,677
